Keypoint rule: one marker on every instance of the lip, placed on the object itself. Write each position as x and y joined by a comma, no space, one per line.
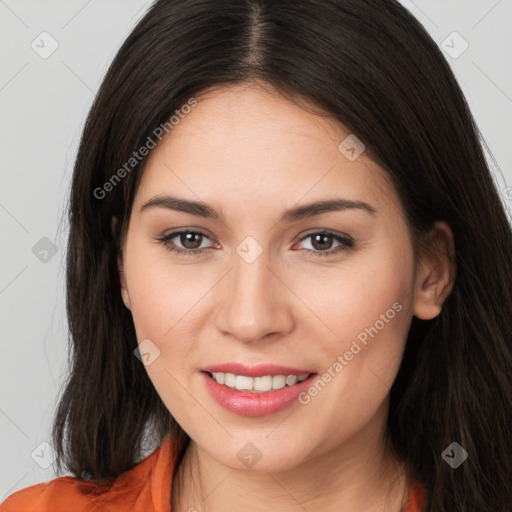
245,403
256,371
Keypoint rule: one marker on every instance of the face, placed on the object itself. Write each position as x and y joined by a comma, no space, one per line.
328,294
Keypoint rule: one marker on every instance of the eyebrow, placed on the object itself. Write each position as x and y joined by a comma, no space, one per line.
201,209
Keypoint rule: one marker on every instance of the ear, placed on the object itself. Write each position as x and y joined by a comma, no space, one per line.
120,267
436,270
124,289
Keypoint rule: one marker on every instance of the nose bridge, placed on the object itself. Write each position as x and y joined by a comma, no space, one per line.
252,305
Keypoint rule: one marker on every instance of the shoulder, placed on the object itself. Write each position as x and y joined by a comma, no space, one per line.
59,495
146,486
67,494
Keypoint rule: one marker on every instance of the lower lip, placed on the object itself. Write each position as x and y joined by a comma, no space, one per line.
246,403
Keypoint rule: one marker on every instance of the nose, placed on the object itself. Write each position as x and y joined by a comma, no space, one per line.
254,302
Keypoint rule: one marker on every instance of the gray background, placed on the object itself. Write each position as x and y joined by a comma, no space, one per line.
43,104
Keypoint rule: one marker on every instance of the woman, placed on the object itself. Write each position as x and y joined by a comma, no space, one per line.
288,268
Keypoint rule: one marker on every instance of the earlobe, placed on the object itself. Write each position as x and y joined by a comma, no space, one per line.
436,275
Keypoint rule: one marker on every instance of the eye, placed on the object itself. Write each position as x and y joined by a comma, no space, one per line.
322,243
191,243
190,240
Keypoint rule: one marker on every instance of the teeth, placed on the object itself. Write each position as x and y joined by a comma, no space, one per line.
242,382
262,383
278,381
258,384
291,380
229,380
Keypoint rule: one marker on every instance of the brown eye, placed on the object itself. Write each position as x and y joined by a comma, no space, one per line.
185,242
191,240
322,243
189,243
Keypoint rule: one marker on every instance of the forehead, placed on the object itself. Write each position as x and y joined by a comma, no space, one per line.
246,142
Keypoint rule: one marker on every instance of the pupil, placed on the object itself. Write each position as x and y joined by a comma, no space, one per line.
321,245
187,238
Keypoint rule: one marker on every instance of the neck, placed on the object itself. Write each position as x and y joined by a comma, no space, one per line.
360,474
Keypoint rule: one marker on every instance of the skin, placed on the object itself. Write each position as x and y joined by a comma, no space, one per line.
251,154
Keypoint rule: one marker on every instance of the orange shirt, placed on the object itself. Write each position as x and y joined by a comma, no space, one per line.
144,488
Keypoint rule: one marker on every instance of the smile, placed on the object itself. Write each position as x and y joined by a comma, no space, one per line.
256,396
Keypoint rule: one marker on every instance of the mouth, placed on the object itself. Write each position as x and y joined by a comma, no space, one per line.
267,392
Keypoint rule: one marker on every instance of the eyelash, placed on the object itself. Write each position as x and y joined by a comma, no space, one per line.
346,244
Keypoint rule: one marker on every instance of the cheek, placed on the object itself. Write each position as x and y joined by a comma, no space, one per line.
162,294
366,304
164,299
358,292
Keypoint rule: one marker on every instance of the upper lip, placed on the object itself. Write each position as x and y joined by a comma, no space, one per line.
259,370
